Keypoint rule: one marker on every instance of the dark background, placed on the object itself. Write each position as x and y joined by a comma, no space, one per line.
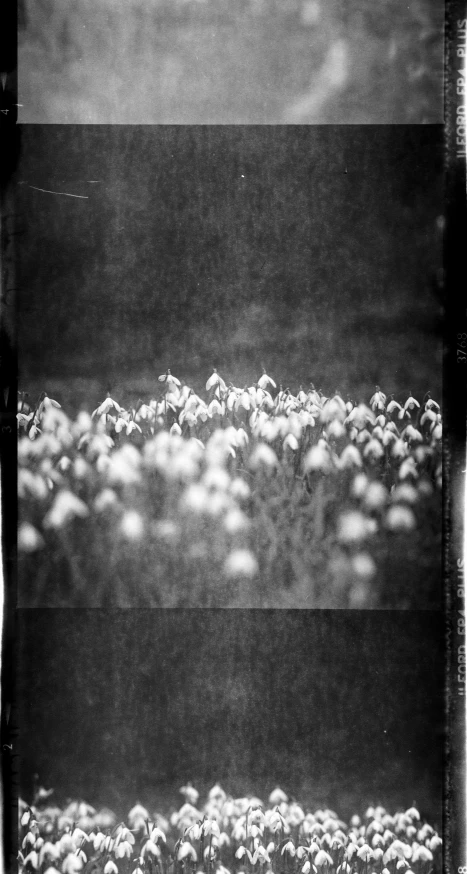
339,707
313,250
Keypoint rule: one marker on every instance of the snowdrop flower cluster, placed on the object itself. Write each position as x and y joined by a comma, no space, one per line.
228,482
224,836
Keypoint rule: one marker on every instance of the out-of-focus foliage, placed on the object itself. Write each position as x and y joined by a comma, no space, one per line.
214,62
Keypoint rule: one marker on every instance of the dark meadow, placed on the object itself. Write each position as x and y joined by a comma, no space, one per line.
343,708
315,251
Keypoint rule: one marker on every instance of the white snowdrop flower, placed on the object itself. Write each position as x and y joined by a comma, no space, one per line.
352,527
239,489
421,453
322,858
195,498
377,433
102,464
334,408
262,457
29,539
264,381
295,425
373,449
175,429
242,437
132,525
241,563
182,466
363,436
278,796
124,466
350,457
365,852
235,521
360,416
81,468
151,849
82,424
110,867
290,442
215,380
335,429
64,464
73,862
31,484
137,817
32,859
105,500
412,434
317,459
388,436
411,403
404,492
375,496
359,485
400,518
408,468
363,565
399,449
422,854
187,851
66,506
190,794
216,478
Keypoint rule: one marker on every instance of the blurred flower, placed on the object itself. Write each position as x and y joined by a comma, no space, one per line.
239,489
137,817
278,796
317,459
124,466
408,468
376,496
405,493
373,449
105,500
29,539
132,525
263,457
363,565
241,563
352,527
190,793
66,506
236,521
350,457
